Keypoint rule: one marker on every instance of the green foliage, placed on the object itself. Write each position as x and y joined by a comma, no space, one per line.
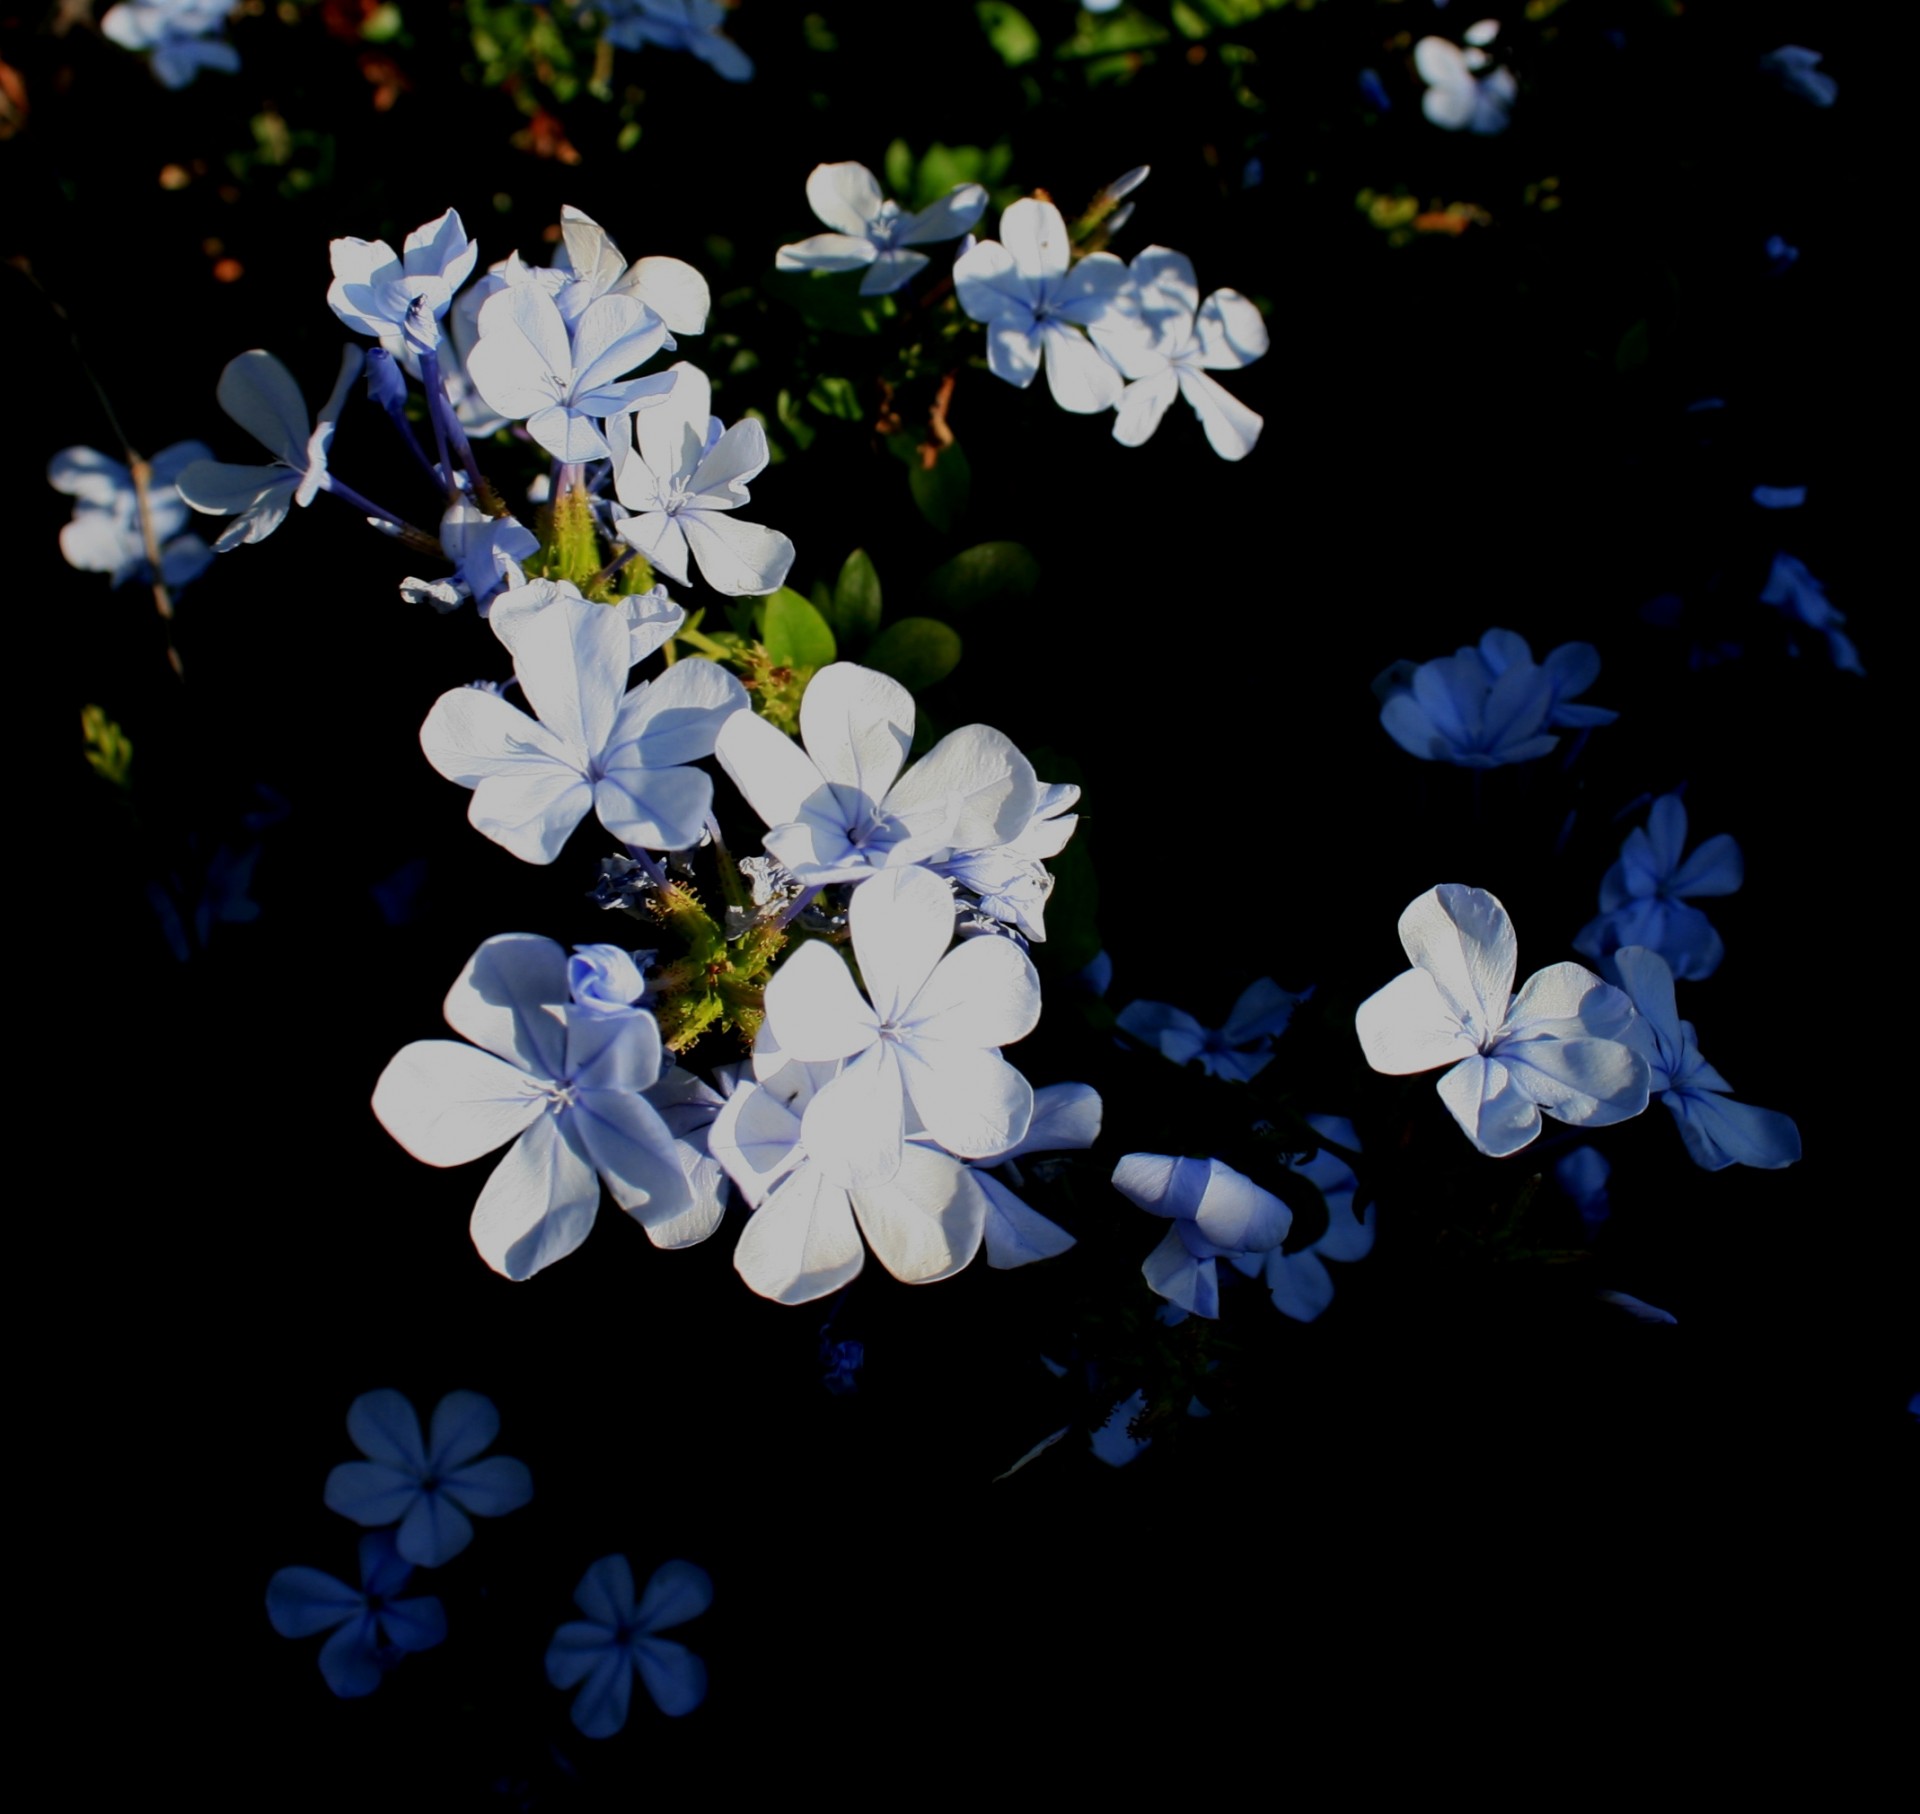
854,606
943,168
1009,31
988,573
838,398
514,42
828,300
109,749
919,652
941,489
795,634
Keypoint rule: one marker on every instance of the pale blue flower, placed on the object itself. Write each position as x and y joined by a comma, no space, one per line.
870,231
105,535
1458,95
1717,1133
588,265
1796,69
1034,302
372,1626
1216,1213
1238,1051
1583,1174
1066,1117
625,753
180,33
259,393
486,552
1165,341
1643,897
1299,1282
1010,881
619,1638
430,1488
1485,706
606,979
1559,1048
689,25
683,476
561,1082
1794,590
399,301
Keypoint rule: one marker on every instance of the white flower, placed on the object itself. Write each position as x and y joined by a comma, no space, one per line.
1034,304
1165,340
840,809
1558,1048
399,301
105,535
682,475
620,1637
1215,1210
372,1628
625,753
1456,94
564,1084
869,230
428,1488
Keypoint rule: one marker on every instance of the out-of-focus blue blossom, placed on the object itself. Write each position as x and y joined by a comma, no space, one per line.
1559,1048
606,979
1374,91
1797,71
1164,341
842,1361
619,1638
1215,1210
1637,1308
259,393
1034,300
399,300
1458,95
566,1086
372,1627
426,1486
1780,255
689,25
180,33
1583,1174
1300,1283
1779,497
1485,706
105,536
1095,977
870,231
1792,589
1718,1133
1238,1051
1643,897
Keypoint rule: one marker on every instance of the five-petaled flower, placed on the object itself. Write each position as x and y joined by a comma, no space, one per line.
430,1488
871,232
1558,1048
1643,897
1238,1051
1491,704
372,1628
106,535
399,301
619,1638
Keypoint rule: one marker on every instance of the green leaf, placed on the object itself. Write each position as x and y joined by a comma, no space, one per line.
989,573
856,598
1635,347
795,633
1009,31
829,300
788,410
942,492
899,167
918,652
836,397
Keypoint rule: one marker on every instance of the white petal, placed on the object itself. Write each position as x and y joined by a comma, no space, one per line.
1231,427
1142,404
986,788
825,252
1066,1117
1497,1116
846,196
925,1223
954,214
673,290
1410,1026
1081,381
1231,330
1463,938
855,1128
1237,1214
801,1243
973,1102
986,992
259,393
447,1103
857,725
814,1007
1036,236
539,1204
737,558
1016,1235
509,1000
774,773
902,923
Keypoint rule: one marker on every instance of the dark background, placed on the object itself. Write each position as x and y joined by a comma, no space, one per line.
1466,1458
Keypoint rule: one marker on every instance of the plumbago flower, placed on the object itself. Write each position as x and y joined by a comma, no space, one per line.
1792,588
1165,340
862,1112
1457,94
839,809
870,231
619,1639
564,378
1299,1282
1033,304
1485,706
588,265
1239,1051
259,393
372,1627
625,753
1215,1210
1718,1133
689,25
486,552
1560,1048
1010,882
1643,896
105,535
427,1488
180,33
682,475
567,1085
399,301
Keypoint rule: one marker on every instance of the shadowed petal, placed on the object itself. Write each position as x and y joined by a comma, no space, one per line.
538,1205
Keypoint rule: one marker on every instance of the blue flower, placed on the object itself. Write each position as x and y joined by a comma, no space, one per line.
619,1638
426,1487
1299,1282
1238,1051
689,25
1717,1133
1216,1212
1793,66
105,535
1457,94
372,1628
1643,896
1485,706
180,33
1794,590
